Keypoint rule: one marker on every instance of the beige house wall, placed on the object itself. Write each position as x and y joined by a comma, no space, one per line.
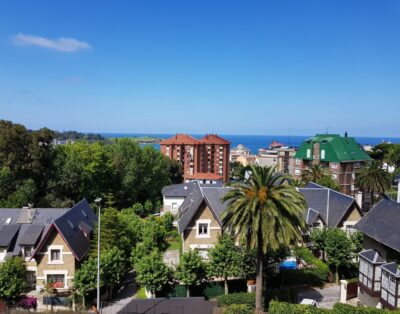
66,266
190,234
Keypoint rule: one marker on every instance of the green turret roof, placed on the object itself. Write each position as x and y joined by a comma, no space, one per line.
333,147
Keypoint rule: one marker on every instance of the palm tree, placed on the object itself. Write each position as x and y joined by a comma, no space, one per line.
316,172
373,179
264,213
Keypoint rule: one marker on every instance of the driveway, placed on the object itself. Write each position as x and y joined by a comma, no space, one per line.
171,257
326,297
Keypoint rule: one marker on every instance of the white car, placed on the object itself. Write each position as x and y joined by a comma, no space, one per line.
309,302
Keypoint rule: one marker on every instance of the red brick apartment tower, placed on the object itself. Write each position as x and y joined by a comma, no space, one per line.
215,155
208,155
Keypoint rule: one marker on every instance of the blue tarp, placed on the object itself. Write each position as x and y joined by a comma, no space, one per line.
288,264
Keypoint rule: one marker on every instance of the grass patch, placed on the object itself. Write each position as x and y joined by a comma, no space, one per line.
141,294
174,245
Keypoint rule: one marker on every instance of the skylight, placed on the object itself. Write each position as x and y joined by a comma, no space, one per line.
71,224
8,221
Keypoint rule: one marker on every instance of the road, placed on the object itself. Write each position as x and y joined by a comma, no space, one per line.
326,297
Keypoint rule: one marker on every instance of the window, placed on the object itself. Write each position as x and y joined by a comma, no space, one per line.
8,221
298,162
297,172
322,153
3,252
334,165
55,255
308,153
174,206
203,229
334,176
27,251
58,281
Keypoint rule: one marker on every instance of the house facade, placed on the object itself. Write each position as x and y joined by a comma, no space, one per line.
199,219
209,154
379,268
341,155
53,241
329,208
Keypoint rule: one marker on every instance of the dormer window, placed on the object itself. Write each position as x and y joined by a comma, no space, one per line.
27,251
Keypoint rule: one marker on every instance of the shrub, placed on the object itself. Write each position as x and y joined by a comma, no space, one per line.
340,308
282,295
28,303
238,309
243,298
287,308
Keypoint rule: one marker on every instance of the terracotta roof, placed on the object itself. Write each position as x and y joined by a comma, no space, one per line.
275,144
213,139
204,176
180,139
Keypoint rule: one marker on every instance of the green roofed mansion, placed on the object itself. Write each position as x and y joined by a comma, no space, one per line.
342,155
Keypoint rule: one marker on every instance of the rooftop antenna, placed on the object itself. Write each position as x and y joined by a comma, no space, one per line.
327,129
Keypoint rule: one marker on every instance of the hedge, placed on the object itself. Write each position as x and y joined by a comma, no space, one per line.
339,308
283,295
287,308
246,298
238,309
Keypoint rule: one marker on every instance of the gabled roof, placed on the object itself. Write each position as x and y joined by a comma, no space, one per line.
332,206
382,223
336,147
213,139
392,268
372,256
27,226
180,139
210,195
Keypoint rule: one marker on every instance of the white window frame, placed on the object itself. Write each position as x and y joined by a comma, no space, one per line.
308,152
334,165
174,205
55,247
24,248
57,272
203,221
322,153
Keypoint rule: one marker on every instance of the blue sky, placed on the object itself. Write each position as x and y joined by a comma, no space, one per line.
231,67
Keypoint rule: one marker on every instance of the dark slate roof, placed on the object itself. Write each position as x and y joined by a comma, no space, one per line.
382,223
211,195
393,268
31,235
372,256
32,229
331,212
68,226
312,215
7,234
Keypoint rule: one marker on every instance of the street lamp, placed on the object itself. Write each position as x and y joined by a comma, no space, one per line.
98,202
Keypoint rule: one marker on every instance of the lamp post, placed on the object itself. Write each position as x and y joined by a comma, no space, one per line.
98,201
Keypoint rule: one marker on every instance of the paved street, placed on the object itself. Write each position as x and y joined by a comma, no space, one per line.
326,297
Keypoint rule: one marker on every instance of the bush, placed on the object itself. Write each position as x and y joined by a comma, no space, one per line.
282,295
243,298
28,303
287,308
238,309
340,308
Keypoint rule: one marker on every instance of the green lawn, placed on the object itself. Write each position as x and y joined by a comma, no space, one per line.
174,245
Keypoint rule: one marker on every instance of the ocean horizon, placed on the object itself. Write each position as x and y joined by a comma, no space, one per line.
255,142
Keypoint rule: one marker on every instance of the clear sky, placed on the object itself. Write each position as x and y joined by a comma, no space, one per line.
231,67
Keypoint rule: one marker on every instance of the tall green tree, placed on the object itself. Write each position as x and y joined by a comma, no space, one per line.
315,173
113,269
12,278
225,260
191,270
153,273
85,279
373,179
393,155
264,213
338,247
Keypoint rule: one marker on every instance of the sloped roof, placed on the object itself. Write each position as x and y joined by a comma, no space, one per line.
331,205
7,234
336,147
382,223
31,234
392,268
213,139
68,226
372,256
31,226
210,195
183,189
180,139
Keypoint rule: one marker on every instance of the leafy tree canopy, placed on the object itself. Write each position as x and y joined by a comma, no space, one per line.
12,278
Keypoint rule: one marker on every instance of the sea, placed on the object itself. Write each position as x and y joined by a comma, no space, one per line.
254,142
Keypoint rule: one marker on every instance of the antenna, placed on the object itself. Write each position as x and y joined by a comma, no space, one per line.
327,129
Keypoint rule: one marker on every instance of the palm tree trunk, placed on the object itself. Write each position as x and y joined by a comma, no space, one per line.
259,283
187,291
226,285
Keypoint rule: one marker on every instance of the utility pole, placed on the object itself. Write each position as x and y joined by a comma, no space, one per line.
98,201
